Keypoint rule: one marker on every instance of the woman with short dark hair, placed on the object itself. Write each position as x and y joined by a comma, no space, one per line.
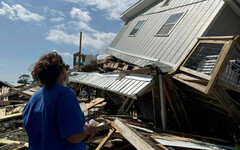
52,118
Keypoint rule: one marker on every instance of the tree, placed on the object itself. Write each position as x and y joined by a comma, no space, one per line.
25,79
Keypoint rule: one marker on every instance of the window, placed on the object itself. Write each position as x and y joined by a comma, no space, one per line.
169,24
137,27
166,3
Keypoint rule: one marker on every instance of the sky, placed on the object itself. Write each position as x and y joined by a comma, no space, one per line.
29,29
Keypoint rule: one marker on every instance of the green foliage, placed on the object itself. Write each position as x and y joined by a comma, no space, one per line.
25,79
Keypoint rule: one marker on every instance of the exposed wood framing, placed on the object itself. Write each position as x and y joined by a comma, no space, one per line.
226,101
186,79
104,141
123,105
176,105
136,139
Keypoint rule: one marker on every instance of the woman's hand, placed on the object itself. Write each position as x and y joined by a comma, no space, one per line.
91,130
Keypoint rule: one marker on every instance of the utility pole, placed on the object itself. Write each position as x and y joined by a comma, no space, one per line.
80,50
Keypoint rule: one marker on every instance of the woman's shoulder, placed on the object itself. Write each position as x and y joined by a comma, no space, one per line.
66,90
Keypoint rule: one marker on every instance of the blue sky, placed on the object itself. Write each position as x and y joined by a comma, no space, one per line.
29,29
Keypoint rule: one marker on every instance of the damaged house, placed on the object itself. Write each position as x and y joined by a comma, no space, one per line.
169,80
177,63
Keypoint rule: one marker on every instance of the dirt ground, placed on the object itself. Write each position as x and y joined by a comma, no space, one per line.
13,130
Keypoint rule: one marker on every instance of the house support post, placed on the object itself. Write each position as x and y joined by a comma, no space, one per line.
159,103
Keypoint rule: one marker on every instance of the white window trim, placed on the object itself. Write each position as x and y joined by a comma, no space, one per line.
165,35
145,20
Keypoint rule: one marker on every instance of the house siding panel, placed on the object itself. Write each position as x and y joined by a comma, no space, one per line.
172,48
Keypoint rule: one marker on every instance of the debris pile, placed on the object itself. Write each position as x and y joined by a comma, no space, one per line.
196,106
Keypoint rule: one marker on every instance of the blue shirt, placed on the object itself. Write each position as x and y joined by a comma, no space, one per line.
50,116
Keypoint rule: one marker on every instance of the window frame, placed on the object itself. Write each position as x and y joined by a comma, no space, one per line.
138,29
165,35
224,57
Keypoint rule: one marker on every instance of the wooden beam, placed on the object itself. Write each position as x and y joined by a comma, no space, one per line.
123,105
129,105
176,105
217,38
5,142
139,141
193,72
104,141
11,116
185,79
226,101
94,102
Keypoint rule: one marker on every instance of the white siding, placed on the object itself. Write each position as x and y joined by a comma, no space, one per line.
171,49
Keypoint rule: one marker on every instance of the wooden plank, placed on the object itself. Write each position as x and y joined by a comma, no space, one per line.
213,41
5,142
11,116
193,72
226,101
158,144
123,105
104,141
94,102
192,79
139,141
2,112
129,105
217,38
221,64
194,85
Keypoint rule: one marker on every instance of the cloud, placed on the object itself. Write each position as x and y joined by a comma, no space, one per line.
60,27
18,12
63,54
95,42
7,11
55,13
58,19
81,26
58,36
80,14
113,8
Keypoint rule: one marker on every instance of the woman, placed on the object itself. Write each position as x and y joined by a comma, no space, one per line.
52,118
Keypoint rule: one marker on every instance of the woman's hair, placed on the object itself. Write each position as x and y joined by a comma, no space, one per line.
48,69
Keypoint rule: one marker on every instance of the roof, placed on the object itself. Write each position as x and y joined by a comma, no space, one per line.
12,85
133,85
137,7
140,60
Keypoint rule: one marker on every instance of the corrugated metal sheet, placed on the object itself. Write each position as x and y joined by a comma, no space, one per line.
132,85
171,49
